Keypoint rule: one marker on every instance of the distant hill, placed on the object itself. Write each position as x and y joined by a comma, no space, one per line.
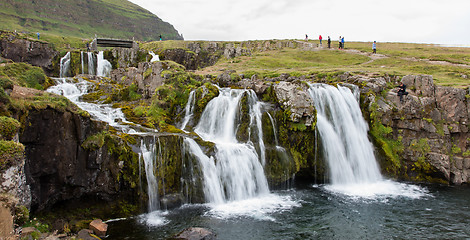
85,18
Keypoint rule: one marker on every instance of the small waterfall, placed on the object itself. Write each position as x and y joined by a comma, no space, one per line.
82,61
155,57
148,155
255,122
65,65
103,68
343,132
274,129
189,109
239,168
91,63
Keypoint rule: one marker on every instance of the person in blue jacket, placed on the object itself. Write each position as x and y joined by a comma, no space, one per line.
342,42
374,47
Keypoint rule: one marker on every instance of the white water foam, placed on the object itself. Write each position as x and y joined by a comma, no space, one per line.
379,190
259,208
155,218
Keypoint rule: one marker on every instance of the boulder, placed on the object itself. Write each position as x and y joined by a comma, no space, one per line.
85,234
99,228
195,233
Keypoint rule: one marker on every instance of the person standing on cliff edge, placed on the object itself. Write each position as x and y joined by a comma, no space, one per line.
374,47
306,37
320,38
329,42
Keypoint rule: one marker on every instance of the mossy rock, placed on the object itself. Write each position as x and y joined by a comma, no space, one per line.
11,153
25,75
8,128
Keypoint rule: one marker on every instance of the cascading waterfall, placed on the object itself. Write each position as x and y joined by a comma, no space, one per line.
103,68
64,65
74,90
239,168
343,132
91,63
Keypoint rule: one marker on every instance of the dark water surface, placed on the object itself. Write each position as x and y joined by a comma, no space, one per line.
443,212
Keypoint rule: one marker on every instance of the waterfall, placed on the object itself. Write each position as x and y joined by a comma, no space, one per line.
255,122
148,155
213,189
239,167
91,63
65,65
83,64
189,109
103,68
274,129
155,57
343,133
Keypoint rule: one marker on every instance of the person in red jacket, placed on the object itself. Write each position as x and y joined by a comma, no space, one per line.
320,37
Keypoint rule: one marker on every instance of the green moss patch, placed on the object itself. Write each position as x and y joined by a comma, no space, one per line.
8,128
10,153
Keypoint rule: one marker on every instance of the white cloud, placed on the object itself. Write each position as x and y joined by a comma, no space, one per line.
433,21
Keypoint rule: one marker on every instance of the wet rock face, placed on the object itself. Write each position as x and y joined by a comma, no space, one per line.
432,123
57,167
33,52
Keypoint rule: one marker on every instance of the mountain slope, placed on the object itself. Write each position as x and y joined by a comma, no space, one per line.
84,18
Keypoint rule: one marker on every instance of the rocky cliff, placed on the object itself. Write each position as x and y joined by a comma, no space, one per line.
431,124
36,53
68,157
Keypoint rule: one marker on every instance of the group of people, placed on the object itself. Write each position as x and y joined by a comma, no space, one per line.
340,42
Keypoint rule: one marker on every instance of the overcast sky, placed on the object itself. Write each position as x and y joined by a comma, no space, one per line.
421,21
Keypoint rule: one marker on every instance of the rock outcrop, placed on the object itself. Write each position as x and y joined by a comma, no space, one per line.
59,168
294,97
432,125
147,77
36,53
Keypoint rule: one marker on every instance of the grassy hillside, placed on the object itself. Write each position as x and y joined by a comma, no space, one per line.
84,18
449,66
